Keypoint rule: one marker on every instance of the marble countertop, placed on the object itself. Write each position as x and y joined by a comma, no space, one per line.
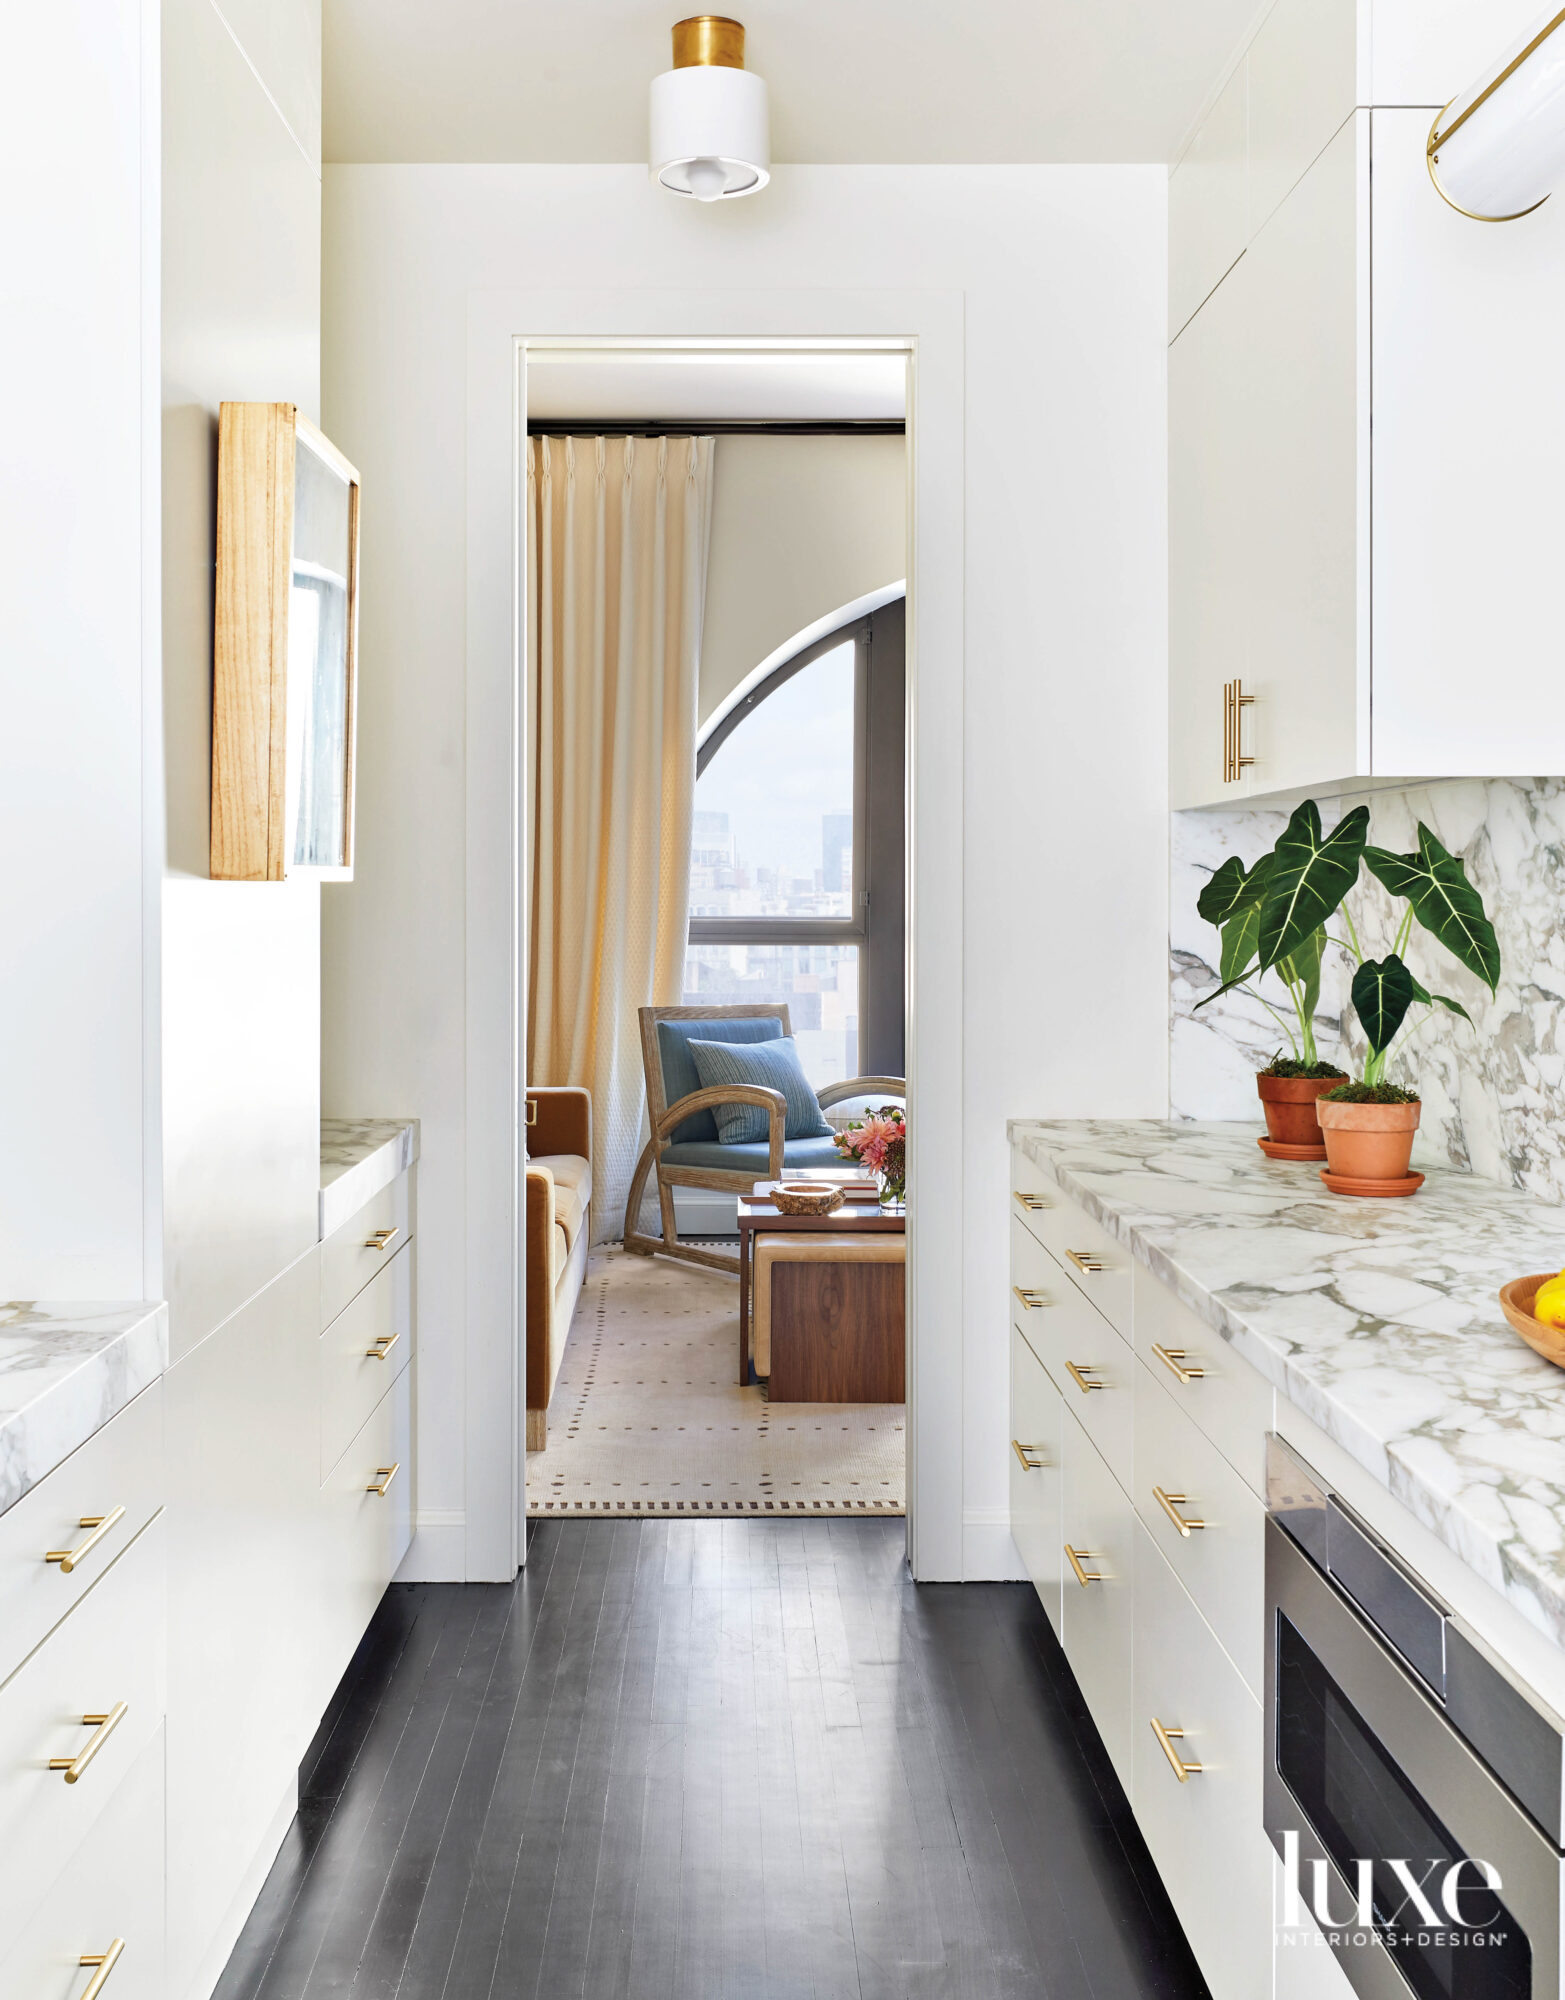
1378,1319
65,1370
360,1156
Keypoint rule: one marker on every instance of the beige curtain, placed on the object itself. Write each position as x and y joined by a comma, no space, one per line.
617,538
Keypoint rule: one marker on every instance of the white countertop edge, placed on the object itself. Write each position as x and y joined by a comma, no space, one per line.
77,1395
359,1157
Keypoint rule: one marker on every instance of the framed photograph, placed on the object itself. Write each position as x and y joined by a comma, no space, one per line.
285,649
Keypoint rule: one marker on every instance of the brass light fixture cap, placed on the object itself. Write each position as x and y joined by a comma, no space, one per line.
710,39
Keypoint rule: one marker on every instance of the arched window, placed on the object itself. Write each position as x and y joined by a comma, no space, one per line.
797,858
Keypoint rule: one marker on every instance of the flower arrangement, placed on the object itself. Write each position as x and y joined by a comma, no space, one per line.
879,1144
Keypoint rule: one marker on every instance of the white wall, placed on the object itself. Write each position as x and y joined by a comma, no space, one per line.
800,526
1060,939
78,597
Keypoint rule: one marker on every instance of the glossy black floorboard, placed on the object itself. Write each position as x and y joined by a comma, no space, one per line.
704,1761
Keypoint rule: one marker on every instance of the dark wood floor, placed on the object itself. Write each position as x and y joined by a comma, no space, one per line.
689,1759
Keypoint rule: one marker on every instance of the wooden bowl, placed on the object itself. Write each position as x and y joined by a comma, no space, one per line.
1516,1303
800,1198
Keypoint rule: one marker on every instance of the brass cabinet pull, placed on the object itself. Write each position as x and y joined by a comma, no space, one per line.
1076,1557
1086,1260
1031,1202
100,1525
384,1474
1178,1363
1079,1376
105,1961
1032,1299
1235,702
384,1343
1024,1453
1182,1767
1171,1504
102,1727
381,1239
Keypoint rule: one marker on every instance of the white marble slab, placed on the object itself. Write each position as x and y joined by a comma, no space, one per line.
1377,1318
65,1370
360,1156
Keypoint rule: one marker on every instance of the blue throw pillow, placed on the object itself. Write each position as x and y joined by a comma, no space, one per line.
774,1065
680,1076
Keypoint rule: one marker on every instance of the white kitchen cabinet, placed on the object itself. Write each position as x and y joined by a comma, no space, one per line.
1208,203
362,1352
367,1519
1036,1474
1302,77
1227,1399
1098,1544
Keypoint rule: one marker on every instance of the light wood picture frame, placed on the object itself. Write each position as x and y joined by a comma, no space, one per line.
285,649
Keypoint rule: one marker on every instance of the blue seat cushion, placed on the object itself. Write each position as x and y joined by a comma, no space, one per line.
679,1065
755,1160
771,1065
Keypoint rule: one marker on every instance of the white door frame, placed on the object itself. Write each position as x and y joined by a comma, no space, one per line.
928,326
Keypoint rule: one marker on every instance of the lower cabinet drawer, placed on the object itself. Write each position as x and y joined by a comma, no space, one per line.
1092,1366
362,1352
1036,1474
1220,1553
116,1479
1217,1388
1205,1832
1098,1546
111,1892
364,1244
107,1653
368,1499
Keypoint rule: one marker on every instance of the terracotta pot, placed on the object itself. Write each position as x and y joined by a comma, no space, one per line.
1290,1110
1369,1142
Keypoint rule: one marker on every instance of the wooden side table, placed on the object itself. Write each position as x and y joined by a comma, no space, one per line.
759,1213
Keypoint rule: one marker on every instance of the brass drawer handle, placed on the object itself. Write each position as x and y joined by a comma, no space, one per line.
1235,702
382,1239
1032,1299
1024,1453
1031,1202
1182,1767
1076,1557
102,1727
384,1343
1079,1374
1086,1260
100,1525
1171,1504
1178,1363
384,1474
105,1961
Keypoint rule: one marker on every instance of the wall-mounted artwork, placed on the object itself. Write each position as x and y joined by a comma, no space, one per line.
285,647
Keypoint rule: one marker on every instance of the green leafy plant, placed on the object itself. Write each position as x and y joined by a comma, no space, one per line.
1272,917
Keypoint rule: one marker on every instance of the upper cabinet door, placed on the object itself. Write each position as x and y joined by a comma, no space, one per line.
1469,505
1207,205
1303,87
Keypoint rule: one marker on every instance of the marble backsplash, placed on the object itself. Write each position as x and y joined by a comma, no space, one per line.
1493,1093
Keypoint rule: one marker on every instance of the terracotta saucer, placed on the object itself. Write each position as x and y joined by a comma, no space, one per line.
1279,1149
1351,1184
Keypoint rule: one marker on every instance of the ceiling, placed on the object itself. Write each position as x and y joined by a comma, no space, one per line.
588,387
852,81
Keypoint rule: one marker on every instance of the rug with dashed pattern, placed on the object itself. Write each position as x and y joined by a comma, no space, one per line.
648,1416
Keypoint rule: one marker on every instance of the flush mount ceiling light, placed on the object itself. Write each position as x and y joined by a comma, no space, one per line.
1498,151
710,131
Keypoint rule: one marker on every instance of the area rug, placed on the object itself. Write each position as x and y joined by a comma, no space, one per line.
648,1416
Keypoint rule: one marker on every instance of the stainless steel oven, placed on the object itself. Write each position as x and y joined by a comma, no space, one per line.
1411,1778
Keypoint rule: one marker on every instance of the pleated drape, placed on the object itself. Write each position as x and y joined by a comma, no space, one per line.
617,537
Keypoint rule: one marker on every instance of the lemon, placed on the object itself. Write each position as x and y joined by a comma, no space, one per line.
1549,1305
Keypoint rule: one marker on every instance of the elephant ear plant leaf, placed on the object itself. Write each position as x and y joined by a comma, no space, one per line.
1383,990
1233,900
1310,875
1444,901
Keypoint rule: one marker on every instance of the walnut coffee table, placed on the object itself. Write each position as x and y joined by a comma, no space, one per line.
851,1217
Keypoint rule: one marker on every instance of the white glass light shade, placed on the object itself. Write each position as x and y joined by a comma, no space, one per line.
1498,150
711,135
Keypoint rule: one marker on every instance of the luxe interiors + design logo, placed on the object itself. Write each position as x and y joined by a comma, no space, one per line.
1403,1903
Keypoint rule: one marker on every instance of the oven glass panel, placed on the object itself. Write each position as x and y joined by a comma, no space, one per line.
1360,1804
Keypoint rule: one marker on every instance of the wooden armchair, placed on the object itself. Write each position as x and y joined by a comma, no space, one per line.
684,1149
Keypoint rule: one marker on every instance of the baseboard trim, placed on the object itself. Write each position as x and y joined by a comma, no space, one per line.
988,1553
438,1552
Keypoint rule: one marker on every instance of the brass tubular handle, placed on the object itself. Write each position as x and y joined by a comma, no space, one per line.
1024,1453
1182,1767
1178,1363
100,1525
1076,1557
105,1961
1171,1504
102,1727
1086,1260
1032,1299
384,1343
384,1474
1031,1202
1079,1374
381,1239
